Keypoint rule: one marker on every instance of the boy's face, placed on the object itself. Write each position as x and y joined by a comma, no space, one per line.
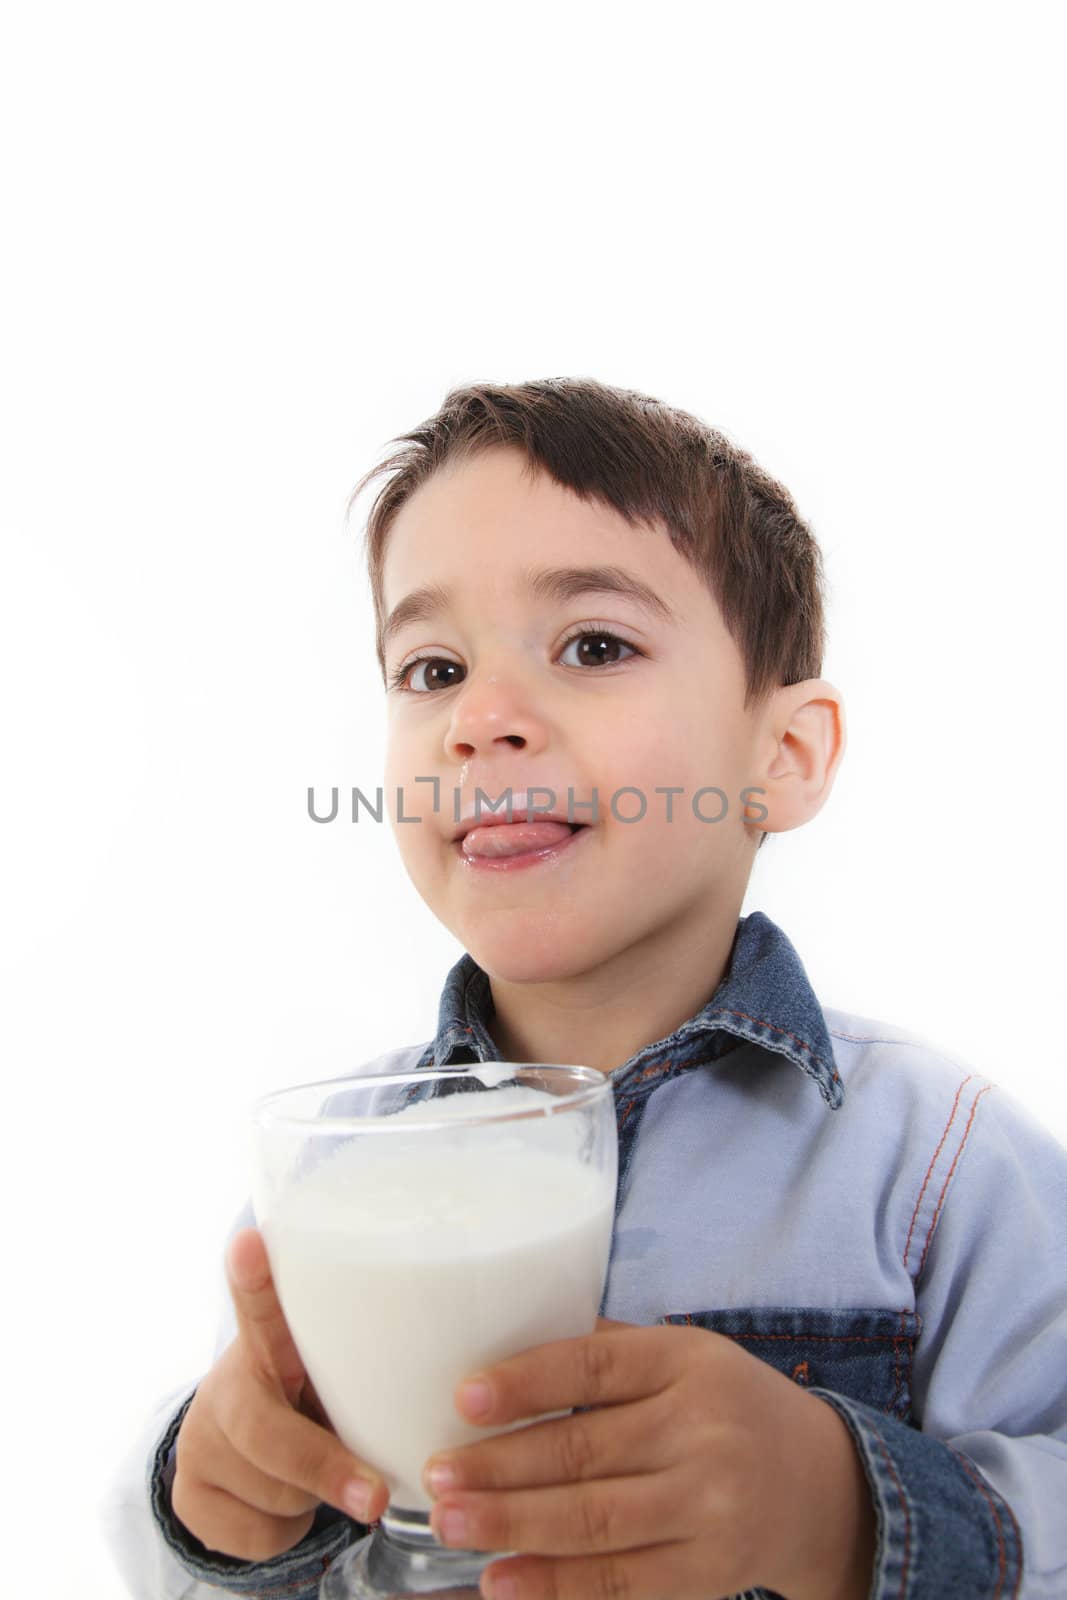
520,706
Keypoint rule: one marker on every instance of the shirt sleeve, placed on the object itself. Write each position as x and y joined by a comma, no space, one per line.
158,1557
156,1554
970,1499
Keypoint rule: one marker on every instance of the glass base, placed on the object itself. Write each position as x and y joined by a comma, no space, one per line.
400,1559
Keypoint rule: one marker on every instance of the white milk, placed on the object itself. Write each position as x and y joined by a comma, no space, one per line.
405,1263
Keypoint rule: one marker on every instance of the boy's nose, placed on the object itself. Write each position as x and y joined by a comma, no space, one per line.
493,713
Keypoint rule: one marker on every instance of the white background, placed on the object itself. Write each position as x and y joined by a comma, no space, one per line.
247,245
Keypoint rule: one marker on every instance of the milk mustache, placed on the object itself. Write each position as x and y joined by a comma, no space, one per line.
405,1262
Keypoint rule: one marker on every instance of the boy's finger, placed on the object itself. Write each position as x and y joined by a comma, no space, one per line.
225,1523
223,1466
283,1444
260,1320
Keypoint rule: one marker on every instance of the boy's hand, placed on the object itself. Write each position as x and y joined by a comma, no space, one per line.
700,1471
255,1452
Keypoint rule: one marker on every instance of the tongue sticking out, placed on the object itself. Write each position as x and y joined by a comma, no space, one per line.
513,838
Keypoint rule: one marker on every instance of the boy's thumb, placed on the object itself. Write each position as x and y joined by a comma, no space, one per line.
261,1323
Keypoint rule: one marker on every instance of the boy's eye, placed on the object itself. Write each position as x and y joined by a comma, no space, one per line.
596,657
432,663
441,665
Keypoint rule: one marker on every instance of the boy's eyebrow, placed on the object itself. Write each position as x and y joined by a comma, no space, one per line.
545,583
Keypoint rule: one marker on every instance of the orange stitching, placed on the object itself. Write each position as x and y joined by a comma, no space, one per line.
904,1504
968,1467
951,1170
823,1338
898,1341
1019,1547
898,1368
659,1067
784,1032
933,1163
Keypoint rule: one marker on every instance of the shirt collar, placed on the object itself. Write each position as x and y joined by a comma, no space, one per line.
764,999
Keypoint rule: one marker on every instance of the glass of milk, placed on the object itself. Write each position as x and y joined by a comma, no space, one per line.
420,1227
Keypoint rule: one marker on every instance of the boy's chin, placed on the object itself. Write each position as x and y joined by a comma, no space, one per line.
534,955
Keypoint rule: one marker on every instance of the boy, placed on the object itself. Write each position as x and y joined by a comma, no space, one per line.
832,1353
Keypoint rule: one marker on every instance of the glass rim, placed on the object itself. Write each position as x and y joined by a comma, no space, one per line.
262,1112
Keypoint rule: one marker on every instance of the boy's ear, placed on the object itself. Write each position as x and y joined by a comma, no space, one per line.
803,743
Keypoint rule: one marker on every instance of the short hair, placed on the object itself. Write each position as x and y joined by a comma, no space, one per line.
737,527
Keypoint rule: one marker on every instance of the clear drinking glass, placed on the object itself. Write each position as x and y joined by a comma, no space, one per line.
420,1227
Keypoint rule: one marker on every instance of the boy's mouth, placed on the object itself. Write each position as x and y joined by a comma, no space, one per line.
497,840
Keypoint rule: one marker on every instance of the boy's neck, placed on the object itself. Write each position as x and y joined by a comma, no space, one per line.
602,1018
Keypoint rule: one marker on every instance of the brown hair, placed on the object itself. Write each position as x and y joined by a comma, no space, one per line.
737,527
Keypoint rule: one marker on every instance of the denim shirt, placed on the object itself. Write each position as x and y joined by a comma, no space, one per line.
880,1223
